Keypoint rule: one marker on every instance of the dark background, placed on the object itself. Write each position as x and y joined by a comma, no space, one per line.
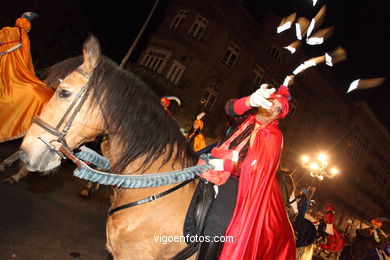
362,28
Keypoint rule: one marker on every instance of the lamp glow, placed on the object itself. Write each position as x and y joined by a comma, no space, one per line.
322,157
313,166
305,159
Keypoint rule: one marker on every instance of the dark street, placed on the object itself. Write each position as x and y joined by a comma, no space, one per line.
43,218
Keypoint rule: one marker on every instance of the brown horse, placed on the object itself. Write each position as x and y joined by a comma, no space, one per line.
100,97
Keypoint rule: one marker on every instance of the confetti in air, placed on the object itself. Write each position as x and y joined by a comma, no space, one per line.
286,23
293,46
301,27
320,36
317,21
365,83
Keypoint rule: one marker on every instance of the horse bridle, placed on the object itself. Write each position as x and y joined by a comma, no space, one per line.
64,151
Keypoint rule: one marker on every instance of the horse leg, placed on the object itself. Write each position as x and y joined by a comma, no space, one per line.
23,172
9,161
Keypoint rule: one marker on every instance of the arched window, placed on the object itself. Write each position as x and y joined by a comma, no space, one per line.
198,27
231,54
175,72
275,53
209,96
155,59
259,75
179,18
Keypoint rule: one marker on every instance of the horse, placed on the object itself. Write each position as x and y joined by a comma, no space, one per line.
99,97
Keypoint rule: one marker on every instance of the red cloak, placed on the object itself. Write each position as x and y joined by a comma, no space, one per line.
335,242
260,226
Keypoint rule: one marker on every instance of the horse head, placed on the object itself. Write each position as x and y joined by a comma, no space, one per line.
70,118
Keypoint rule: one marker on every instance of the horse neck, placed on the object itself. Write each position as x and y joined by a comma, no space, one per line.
134,167
121,196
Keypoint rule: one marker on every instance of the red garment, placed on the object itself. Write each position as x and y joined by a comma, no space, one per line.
260,226
335,242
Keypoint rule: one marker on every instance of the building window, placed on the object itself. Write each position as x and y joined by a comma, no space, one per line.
231,54
259,75
275,53
175,72
198,27
358,147
209,97
155,59
179,18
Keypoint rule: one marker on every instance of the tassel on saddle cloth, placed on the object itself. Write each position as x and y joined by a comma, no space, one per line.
132,181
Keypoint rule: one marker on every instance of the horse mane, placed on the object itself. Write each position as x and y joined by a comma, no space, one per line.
60,70
133,113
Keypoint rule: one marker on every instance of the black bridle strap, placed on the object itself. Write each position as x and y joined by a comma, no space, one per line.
74,102
148,199
81,96
77,109
46,127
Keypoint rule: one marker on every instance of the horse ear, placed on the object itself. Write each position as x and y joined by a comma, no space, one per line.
91,54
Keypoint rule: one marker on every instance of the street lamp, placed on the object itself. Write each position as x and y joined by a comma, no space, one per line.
318,167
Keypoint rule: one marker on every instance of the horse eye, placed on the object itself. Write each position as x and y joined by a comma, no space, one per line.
64,93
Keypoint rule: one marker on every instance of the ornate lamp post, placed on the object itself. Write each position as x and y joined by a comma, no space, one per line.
319,166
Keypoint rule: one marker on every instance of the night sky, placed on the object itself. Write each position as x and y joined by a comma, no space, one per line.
361,27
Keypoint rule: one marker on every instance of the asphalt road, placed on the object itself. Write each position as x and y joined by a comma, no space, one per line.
42,217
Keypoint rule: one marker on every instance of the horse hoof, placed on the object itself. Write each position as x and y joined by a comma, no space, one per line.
85,194
11,180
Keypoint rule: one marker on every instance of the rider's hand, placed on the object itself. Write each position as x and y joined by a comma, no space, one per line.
259,97
217,163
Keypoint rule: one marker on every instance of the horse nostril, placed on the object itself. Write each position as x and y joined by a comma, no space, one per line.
23,156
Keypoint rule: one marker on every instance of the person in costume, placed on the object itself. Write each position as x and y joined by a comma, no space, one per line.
305,231
335,241
249,202
195,134
22,94
166,102
381,239
321,226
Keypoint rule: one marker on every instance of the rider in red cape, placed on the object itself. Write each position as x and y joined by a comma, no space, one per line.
259,226
335,241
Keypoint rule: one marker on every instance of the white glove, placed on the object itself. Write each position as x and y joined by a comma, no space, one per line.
259,97
217,163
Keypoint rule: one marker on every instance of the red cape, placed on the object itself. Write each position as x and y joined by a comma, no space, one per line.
260,226
335,242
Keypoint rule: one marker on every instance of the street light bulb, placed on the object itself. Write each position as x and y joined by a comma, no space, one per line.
334,171
313,166
305,159
322,157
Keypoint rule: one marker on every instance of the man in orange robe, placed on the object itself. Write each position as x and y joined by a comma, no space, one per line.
22,94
